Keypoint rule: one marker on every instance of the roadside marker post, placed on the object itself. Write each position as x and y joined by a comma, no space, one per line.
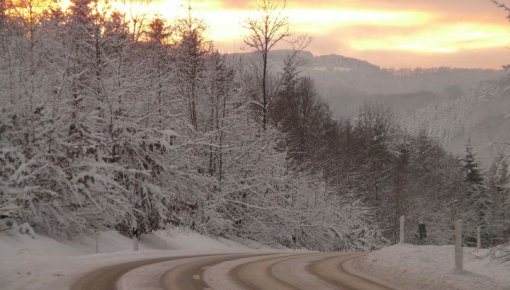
135,243
96,233
458,246
478,238
135,236
402,223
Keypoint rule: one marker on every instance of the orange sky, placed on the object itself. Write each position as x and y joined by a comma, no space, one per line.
389,33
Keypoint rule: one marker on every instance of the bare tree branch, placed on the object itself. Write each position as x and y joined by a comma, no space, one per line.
265,32
503,6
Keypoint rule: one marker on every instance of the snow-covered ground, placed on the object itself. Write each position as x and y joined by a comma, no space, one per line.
42,263
432,268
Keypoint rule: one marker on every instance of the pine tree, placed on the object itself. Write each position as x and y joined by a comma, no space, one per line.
473,174
190,57
478,203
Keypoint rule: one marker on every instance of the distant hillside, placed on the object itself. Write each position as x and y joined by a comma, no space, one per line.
449,102
347,82
482,115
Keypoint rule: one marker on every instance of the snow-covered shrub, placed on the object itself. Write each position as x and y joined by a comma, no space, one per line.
501,253
26,229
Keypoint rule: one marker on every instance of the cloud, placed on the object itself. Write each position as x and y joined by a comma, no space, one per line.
438,38
425,31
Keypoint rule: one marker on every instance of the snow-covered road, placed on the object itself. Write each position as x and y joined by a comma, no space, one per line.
318,271
186,260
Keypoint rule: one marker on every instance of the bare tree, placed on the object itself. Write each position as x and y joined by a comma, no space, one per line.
137,18
265,32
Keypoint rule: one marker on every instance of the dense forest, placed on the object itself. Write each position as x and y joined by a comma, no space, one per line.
110,121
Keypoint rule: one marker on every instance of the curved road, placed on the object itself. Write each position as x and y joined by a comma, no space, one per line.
282,271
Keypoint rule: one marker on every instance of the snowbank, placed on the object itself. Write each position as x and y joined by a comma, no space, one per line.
43,263
432,267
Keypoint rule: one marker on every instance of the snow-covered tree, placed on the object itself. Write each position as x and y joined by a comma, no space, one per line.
477,202
99,129
471,167
499,219
190,55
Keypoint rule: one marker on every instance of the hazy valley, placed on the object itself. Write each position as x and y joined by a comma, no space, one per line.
453,105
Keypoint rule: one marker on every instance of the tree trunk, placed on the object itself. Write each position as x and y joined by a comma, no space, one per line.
264,91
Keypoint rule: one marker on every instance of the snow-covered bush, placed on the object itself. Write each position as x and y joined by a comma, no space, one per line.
501,253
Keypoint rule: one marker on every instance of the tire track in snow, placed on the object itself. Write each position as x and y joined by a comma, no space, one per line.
283,271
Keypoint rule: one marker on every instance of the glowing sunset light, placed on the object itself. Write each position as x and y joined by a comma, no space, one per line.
64,4
450,40
357,17
357,28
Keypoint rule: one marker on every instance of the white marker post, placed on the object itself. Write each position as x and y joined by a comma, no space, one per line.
96,232
135,243
458,246
402,222
478,238
135,236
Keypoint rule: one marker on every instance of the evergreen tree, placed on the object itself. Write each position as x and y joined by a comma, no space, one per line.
477,203
473,174
190,56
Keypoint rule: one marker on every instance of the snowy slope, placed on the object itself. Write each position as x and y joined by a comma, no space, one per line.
43,263
432,267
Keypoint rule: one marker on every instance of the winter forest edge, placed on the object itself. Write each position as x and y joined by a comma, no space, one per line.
109,121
